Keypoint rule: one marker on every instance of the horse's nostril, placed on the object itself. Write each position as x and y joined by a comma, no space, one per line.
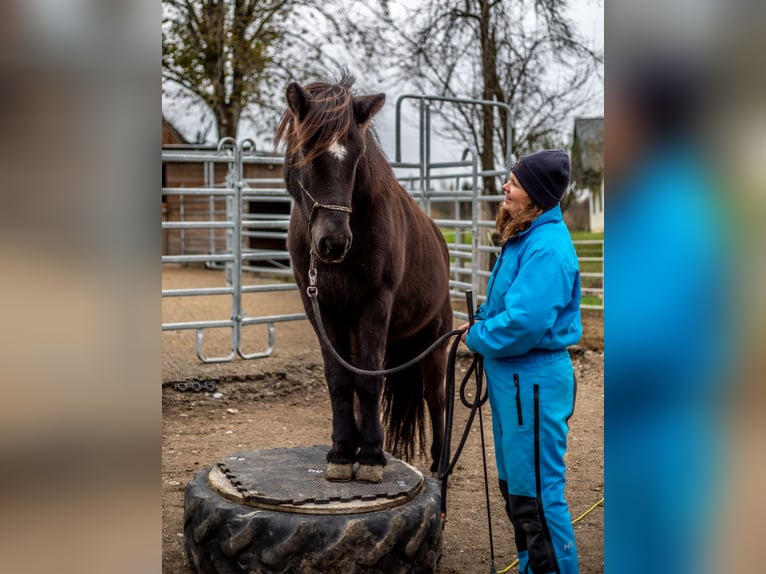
333,248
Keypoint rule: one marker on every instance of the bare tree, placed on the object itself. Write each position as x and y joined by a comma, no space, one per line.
232,54
525,54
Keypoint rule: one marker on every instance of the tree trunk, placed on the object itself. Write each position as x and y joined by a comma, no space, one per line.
227,119
490,86
489,80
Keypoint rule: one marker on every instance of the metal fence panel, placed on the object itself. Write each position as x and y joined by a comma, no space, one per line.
446,191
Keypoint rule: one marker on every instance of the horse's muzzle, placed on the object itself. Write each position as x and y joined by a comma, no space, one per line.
333,248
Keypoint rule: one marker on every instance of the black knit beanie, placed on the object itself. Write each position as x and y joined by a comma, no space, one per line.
544,175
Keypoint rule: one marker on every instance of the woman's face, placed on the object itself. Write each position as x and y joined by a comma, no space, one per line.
516,199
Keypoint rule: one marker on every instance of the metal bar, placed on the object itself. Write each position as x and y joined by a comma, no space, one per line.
404,165
175,157
267,216
196,224
204,359
269,288
197,325
196,292
210,181
427,181
197,191
445,164
272,319
265,234
266,192
422,156
264,181
195,258
264,255
270,224
265,160
474,220
236,250
453,223
442,176
269,346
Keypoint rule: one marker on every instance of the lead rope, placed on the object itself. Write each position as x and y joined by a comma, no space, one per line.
313,291
446,466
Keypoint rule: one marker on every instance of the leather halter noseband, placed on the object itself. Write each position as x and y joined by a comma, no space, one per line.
312,289
316,205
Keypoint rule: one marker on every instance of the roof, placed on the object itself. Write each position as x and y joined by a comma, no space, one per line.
170,135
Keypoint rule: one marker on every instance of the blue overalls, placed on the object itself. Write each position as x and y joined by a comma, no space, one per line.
530,317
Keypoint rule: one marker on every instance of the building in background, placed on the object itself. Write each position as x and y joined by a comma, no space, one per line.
588,166
263,170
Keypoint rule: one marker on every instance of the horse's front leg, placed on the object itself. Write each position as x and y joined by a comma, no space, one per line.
370,354
340,384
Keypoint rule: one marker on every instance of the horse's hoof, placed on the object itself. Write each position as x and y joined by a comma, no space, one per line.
339,472
369,473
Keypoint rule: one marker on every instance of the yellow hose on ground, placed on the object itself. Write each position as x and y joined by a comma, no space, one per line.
575,521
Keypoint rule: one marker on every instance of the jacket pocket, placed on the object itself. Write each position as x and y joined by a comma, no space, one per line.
518,398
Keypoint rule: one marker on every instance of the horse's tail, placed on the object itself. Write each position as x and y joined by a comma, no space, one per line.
403,410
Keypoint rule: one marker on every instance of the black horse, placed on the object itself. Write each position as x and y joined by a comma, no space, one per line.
382,273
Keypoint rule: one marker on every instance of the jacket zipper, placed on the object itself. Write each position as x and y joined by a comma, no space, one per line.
494,276
518,398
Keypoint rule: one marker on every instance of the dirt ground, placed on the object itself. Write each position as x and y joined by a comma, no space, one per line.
281,401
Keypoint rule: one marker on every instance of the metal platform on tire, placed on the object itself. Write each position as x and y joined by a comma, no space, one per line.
292,480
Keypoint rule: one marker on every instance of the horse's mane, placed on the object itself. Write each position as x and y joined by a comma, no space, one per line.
329,116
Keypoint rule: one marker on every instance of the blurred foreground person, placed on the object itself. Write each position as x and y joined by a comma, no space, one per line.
666,322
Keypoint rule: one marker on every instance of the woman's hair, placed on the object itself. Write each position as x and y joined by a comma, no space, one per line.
510,226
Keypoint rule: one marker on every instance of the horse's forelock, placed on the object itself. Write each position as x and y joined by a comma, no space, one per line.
328,119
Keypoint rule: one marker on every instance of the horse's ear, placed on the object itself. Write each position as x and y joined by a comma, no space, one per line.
367,106
297,100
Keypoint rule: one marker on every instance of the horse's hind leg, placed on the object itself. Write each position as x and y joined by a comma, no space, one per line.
433,369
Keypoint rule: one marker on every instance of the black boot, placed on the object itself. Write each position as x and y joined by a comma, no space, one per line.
519,534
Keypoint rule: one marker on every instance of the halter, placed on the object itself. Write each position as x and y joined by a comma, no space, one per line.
312,289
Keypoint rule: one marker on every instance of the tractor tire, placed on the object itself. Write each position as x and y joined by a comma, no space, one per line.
222,536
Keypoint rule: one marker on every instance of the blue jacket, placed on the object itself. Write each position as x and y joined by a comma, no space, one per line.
533,296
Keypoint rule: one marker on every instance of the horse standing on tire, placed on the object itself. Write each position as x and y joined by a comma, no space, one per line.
382,277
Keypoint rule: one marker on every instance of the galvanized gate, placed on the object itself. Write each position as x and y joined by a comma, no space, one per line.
236,219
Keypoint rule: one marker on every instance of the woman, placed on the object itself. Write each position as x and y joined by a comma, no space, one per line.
530,317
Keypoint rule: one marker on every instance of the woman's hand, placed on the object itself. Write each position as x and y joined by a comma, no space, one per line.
464,327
